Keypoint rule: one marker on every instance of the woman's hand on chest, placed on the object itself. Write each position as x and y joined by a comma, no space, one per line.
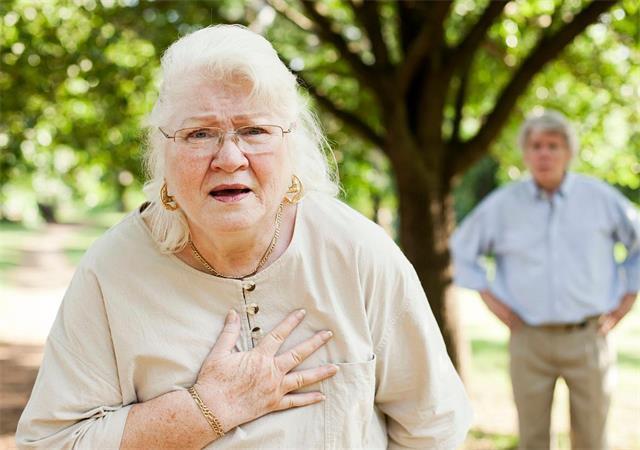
242,386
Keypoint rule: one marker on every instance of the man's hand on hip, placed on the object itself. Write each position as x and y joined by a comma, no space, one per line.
610,320
501,311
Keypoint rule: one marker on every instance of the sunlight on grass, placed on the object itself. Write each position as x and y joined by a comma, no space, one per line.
76,246
14,236
479,440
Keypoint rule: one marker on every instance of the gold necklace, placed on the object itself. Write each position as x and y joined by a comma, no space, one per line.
263,260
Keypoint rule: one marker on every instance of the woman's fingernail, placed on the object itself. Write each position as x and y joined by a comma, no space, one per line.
327,334
231,316
300,313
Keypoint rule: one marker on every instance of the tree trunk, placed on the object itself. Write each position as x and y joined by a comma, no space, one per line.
119,193
376,201
48,212
426,221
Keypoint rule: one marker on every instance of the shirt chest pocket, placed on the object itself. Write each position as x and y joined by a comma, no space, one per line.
579,234
349,405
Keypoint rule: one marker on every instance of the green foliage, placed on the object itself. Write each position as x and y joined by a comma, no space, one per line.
478,182
80,89
596,83
78,78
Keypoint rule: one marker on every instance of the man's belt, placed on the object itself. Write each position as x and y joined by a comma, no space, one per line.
565,327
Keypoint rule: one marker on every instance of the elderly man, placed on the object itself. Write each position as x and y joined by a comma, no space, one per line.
557,286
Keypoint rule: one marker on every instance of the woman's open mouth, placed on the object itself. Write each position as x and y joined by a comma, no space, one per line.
229,193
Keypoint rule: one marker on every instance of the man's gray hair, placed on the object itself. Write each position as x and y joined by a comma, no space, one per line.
550,121
231,54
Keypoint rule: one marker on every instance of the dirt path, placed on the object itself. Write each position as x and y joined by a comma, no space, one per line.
27,308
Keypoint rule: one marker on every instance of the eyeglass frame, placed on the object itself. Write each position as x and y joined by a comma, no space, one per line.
225,132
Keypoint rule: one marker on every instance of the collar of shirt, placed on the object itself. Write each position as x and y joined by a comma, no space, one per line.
538,193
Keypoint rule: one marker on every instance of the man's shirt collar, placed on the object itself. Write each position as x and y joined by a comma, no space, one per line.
538,193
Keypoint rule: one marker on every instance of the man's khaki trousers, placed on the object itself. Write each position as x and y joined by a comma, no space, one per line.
582,357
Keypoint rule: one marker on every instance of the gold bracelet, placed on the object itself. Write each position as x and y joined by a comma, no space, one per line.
206,412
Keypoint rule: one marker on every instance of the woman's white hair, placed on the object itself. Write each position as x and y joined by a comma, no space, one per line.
230,54
549,121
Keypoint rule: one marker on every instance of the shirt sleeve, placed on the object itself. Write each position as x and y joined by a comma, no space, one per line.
627,232
471,241
417,387
76,401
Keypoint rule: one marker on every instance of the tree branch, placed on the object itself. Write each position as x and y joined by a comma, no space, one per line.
332,68
432,83
291,14
429,37
548,48
465,50
324,28
367,14
347,117
459,105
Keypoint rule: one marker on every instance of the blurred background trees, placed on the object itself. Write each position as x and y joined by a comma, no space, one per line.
77,78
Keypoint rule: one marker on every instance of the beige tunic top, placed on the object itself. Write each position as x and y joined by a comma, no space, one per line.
136,323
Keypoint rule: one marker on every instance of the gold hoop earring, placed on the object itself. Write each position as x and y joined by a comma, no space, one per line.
295,192
168,201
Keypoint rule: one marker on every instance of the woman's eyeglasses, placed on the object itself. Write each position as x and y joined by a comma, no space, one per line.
250,139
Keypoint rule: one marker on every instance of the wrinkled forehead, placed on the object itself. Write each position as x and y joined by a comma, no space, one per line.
537,134
195,100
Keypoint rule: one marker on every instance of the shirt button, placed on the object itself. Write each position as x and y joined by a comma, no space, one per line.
253,309
248,286
256,332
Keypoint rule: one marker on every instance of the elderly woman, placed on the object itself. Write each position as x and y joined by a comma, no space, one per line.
243,306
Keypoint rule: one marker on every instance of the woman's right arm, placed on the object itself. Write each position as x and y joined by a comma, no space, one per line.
76,401
236,386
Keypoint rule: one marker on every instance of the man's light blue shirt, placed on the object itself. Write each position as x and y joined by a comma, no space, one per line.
554,254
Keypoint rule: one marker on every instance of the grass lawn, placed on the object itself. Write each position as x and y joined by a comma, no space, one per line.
15,236
12,239
80,240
